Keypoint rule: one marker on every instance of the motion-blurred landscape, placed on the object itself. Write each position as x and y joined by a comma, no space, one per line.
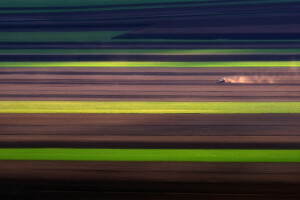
160,99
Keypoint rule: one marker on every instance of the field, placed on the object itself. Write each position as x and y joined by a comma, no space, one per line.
152,155
154,64
147,107
153,51
81,6
110,36
92,36
119,99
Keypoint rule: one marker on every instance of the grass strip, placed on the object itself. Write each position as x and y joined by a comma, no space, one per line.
206,41
78,3
147,107
154,64
202,155
151,51
80,36
73,3
101,36
126,5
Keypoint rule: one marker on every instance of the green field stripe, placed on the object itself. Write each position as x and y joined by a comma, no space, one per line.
147,107
66,3
80,36
203,155
151,51
122,5
100,36
206,41
117,7
72,3
154,64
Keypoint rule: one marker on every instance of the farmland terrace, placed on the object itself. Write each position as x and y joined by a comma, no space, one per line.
118,99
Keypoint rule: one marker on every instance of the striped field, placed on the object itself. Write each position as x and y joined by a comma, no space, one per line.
147,107
153,51
154,64
203,155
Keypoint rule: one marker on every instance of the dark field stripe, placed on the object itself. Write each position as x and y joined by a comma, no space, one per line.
175,83
122,57
188,131
151,45
145,125
82,132
229,180
184,3
159,15
139,82
208,142
214,36
82,73
228,22
144,84
121,4
188,98
153,180
227,7
171,22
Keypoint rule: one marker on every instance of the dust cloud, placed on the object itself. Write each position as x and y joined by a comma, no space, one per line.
252,79
291,75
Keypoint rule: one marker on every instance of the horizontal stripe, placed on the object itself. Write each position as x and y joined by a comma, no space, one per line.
151,51
130,6
59,3
147,107
154,64
80,36
202,155
146,58
80,3
9,140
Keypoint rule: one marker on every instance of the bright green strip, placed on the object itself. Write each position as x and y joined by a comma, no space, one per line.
203,155
150,51
147,107
83,36
154,64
